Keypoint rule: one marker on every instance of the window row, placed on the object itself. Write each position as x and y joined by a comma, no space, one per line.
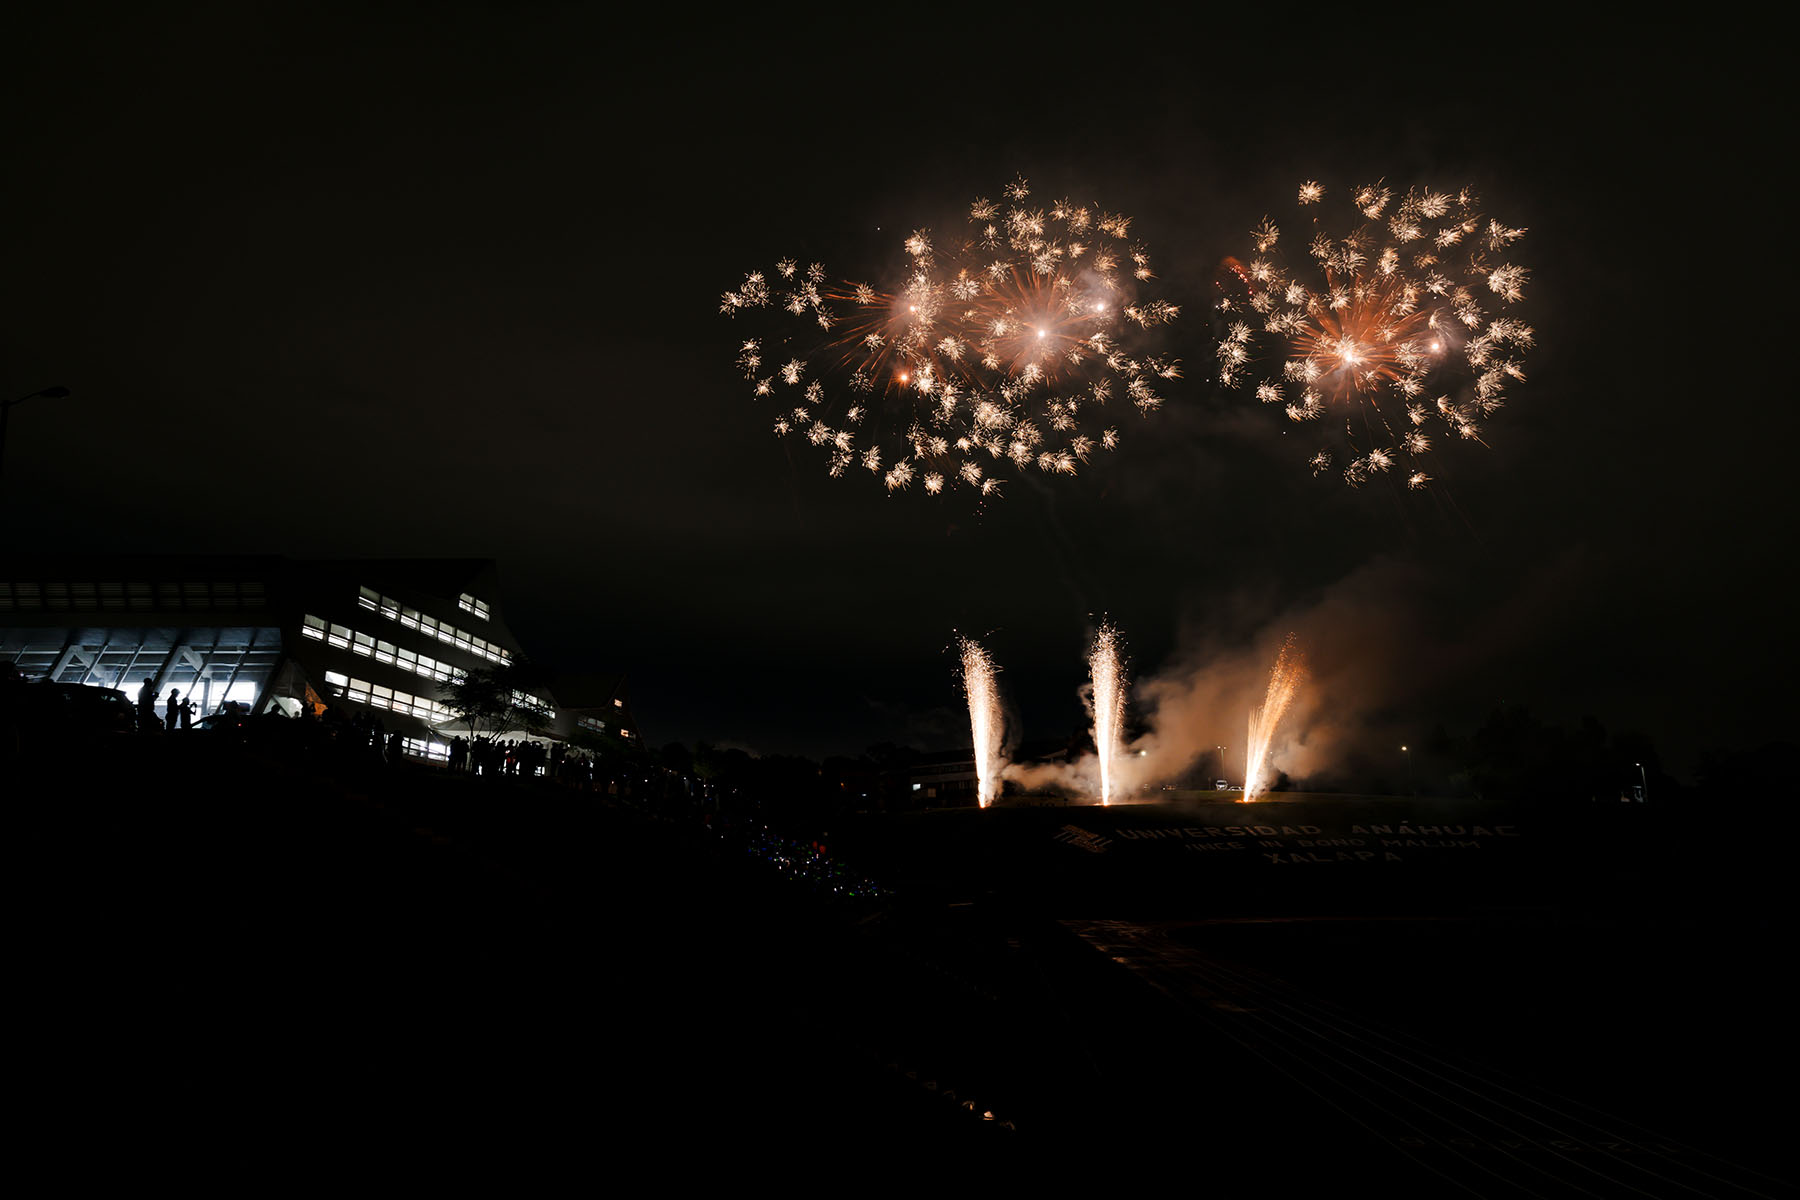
536,705
361,691
469,603
431,751
106,595
599,726
344,638
443,631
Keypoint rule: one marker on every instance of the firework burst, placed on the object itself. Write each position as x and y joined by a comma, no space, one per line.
1004,346
1397,329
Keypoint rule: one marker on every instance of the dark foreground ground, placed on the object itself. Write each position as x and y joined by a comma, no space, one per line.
242,971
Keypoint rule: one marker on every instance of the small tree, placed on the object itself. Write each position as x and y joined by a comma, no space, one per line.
486,700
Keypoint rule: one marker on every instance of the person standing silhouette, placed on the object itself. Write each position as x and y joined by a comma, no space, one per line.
147,705
172,714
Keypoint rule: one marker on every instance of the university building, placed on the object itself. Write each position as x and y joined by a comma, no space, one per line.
375,635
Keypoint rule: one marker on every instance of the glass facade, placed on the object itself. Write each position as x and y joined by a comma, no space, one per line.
270,632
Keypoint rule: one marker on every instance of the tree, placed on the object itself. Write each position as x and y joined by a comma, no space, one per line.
487,700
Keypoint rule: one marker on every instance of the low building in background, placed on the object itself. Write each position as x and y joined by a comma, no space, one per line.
946,780
273,633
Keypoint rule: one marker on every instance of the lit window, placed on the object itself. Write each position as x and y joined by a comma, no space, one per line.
435,751
618,704
365,645
339,637
368,598
337,677
314,628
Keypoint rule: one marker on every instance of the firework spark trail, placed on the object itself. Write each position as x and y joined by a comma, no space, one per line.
998,348
987,723
1107,671
1284,681
1386,328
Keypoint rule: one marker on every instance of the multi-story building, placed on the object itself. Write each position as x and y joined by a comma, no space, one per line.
378,635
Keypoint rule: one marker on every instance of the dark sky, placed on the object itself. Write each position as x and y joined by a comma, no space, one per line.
447,283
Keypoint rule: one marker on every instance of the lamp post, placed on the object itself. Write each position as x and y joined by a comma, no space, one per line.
1644,791
1406,751
6,407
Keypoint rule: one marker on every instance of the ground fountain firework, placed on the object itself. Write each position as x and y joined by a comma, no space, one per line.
1010,342
1106,669
1396,327
987,722
1284,681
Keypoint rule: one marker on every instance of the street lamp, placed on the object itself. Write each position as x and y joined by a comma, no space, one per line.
6,407
1407,751
1644,791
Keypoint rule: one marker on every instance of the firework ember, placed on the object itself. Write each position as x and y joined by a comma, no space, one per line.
1004,344
1107,669
1284,681
987,724
1390,328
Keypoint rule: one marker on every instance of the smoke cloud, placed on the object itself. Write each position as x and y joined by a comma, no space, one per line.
1379,645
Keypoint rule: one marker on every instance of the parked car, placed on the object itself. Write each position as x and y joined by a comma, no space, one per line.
59,711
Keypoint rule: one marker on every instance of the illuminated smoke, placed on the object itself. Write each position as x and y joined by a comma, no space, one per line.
1107,671
1284,681
987,724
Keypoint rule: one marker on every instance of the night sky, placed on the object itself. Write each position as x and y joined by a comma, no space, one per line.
448,284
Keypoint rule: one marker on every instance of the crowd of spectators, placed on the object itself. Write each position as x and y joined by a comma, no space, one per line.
315,733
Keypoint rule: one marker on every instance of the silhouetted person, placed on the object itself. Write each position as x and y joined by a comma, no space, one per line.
172,712
147,705
188,708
